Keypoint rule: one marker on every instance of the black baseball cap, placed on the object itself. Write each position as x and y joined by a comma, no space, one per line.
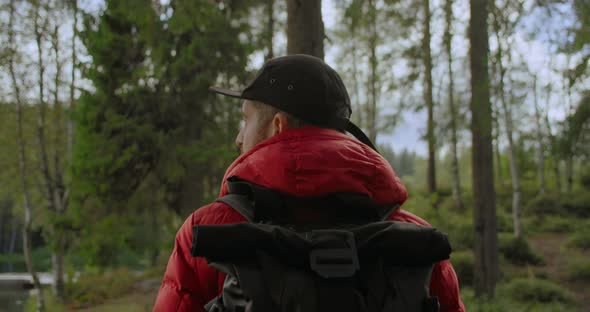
305,87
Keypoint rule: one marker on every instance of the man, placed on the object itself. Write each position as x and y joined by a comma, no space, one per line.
292,140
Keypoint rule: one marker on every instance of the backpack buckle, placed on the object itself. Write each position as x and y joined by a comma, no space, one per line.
331,261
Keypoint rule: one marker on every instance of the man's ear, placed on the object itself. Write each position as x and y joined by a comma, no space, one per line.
280,123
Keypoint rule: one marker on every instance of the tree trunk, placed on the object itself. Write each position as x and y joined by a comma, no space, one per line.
508,124
58,253
484,216
270,28
70,124
540,150
13,238
373,81
355,80
47,176
497,147
3,232
553,140
427,59
569,161
305,27
22,165
569,173
448,37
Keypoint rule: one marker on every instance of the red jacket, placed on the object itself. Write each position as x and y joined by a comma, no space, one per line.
302,162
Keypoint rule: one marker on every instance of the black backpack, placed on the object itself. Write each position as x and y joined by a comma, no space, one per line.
281,261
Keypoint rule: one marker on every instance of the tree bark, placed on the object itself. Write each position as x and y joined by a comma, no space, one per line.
57,181
355,80
305,27
509,126
270,28
13,238
553,140
540,149
3,232
46,171
70,124
373,80
497,145
484,216
448,37
22,164
427,59
569,173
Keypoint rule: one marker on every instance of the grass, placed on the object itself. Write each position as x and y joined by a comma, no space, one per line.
504,303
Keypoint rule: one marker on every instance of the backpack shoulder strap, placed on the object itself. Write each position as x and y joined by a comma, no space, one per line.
240,203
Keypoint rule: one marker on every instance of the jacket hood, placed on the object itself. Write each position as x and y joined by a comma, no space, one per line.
311,161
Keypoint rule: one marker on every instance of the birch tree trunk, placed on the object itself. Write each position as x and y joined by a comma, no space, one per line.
22,163
509,126
453,124
540,148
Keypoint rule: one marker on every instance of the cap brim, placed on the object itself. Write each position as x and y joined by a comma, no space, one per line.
227,92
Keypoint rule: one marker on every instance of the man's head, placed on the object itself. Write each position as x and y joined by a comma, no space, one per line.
293,87
260,122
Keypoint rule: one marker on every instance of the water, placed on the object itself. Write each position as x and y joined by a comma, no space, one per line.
12,300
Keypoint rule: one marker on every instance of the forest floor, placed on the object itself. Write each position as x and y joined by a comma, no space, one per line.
137,301
557,261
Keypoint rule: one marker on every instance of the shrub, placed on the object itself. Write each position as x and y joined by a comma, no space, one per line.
517,250
580,239
536,290
585,177
52,304
542,205
502,303
577,204
463,265
504,222
461,236
95,288
552,224
579,271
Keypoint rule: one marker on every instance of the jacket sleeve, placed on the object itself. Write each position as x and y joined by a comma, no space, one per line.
445,285
180,286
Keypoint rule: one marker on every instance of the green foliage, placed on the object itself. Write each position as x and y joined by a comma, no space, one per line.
547,204
150,114
52,304
463,262
579,270
402,163
504,222
585,177
535,290
95,288
104,240
41,260
551,224
576,204
502,302
580,239
517,250
461,236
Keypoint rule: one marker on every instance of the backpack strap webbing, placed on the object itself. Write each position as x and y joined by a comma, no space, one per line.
258,203
240,203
